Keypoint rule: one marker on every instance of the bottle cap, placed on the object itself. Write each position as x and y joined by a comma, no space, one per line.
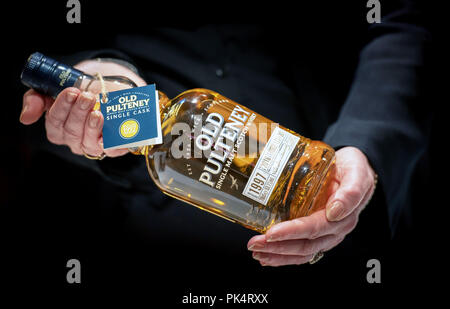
48,76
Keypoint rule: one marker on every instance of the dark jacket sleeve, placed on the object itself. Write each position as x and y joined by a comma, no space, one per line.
387,113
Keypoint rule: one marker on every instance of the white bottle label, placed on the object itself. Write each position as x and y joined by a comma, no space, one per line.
270,164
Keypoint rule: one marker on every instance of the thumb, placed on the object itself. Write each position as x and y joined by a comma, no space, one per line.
34,105
349,194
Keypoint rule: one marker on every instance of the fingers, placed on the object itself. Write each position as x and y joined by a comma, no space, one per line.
356,181
76,121
270,259
34,105
295,246
93,142
92,134
293,251
116,152
313,226
66,121
58,113
314,234
292,242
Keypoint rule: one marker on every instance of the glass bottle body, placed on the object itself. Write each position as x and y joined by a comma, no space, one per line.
239,165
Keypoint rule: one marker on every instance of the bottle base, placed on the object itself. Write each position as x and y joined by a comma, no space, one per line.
314,178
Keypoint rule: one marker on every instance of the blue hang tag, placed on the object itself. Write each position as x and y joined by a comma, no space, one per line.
132,118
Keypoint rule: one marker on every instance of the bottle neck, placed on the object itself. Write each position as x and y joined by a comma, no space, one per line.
48,76
164,103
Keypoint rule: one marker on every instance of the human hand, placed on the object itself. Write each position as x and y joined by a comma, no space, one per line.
69,118
297,241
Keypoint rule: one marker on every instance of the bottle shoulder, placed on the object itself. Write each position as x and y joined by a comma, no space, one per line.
195,94
192,101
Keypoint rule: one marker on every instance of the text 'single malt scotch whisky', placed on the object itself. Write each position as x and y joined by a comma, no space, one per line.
217,154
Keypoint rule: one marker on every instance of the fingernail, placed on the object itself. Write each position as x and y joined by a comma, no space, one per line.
256,256
94,119
271,238
86,100
335,212
71,96
24,109
256,246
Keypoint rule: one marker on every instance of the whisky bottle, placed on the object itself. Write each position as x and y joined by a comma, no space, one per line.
218,155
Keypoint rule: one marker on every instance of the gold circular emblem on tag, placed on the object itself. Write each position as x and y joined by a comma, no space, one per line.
129,128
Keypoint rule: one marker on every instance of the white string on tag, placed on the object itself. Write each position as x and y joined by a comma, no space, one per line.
103,90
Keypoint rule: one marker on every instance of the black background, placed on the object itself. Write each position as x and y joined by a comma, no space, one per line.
49,214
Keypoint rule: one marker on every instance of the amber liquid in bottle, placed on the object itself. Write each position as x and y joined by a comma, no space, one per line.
287,179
